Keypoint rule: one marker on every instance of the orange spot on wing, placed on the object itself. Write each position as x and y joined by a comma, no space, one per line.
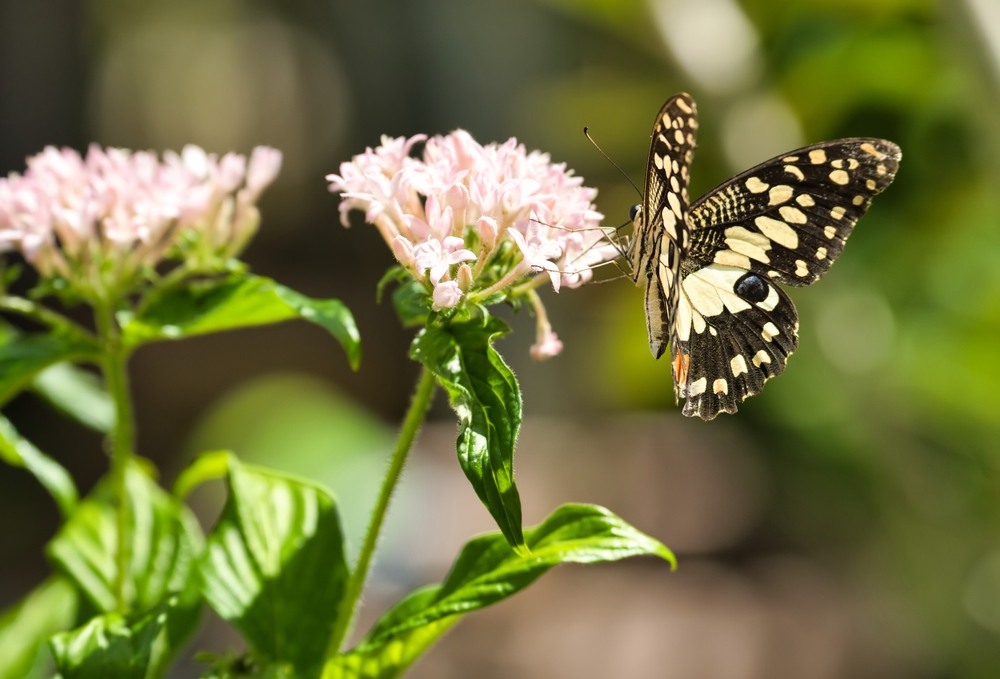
681,364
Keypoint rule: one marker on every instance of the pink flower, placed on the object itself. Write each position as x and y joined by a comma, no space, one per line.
546,346
98,221
446,295
518,210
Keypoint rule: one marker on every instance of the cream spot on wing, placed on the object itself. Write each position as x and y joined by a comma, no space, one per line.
730,258
790,159
805,200
792,215
684,194
820,253
679,136
793,170
837,212
674,185
817,156
712,331
666,120
881,169
761,357
773,274
675,204
858,200
870,184
769,331
755,185
779,232
658,162
698,321
837,163
683,105
710,290
801,270
683,323
852,164
697,387
690,139
720,386
840,177
749,243
868,148
771,301
675,166
693,123
829,231
738,365
779,194
670,223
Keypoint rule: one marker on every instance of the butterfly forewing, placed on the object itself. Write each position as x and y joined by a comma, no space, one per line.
662,234
788,218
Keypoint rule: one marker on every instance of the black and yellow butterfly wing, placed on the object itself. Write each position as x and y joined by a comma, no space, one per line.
711,269
662,234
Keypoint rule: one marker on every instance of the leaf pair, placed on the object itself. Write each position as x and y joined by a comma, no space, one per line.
488,570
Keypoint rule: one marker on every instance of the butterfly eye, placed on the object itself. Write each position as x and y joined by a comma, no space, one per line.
632,212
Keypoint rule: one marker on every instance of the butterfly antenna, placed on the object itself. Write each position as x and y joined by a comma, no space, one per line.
608,158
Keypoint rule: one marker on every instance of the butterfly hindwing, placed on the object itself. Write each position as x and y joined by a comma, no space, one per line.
788,218
661,232
734,331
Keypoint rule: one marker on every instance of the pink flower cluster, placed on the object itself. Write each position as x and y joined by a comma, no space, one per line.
95,221
449,215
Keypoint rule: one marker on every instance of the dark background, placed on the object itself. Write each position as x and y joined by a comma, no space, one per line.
843,524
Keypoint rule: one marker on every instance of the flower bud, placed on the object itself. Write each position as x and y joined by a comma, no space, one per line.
403,250
487,228
447,295
464,278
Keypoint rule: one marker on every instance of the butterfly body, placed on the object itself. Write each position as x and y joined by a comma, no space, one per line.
712,268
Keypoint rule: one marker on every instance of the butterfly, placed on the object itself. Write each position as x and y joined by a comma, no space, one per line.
712,268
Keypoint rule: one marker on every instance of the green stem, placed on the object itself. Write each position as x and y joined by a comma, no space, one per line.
116,376
356,583
28,309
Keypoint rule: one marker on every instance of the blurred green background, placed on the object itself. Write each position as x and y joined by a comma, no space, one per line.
873,460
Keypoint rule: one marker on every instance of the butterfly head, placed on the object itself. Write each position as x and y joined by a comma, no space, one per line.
633,212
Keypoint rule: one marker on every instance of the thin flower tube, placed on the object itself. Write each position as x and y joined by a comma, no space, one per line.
473,223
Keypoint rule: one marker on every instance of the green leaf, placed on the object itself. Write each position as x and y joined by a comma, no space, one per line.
24,628
486,571
111,646
274,567
19,452
236,301
24,356
78,394
391,658
486,397
166,543
411,303
206,467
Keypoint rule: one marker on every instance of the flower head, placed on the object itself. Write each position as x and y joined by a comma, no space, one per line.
497,210
98,221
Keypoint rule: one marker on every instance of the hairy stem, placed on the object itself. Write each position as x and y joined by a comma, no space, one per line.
356,583
116,376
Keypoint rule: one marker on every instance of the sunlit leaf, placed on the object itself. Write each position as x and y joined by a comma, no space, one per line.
274,567
111,646
206,467
237,301
22,357
78,394
25,627
486,397
166,542
390,658
19,452
486,571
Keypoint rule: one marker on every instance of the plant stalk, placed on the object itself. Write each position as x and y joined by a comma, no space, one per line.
356,584
116,376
